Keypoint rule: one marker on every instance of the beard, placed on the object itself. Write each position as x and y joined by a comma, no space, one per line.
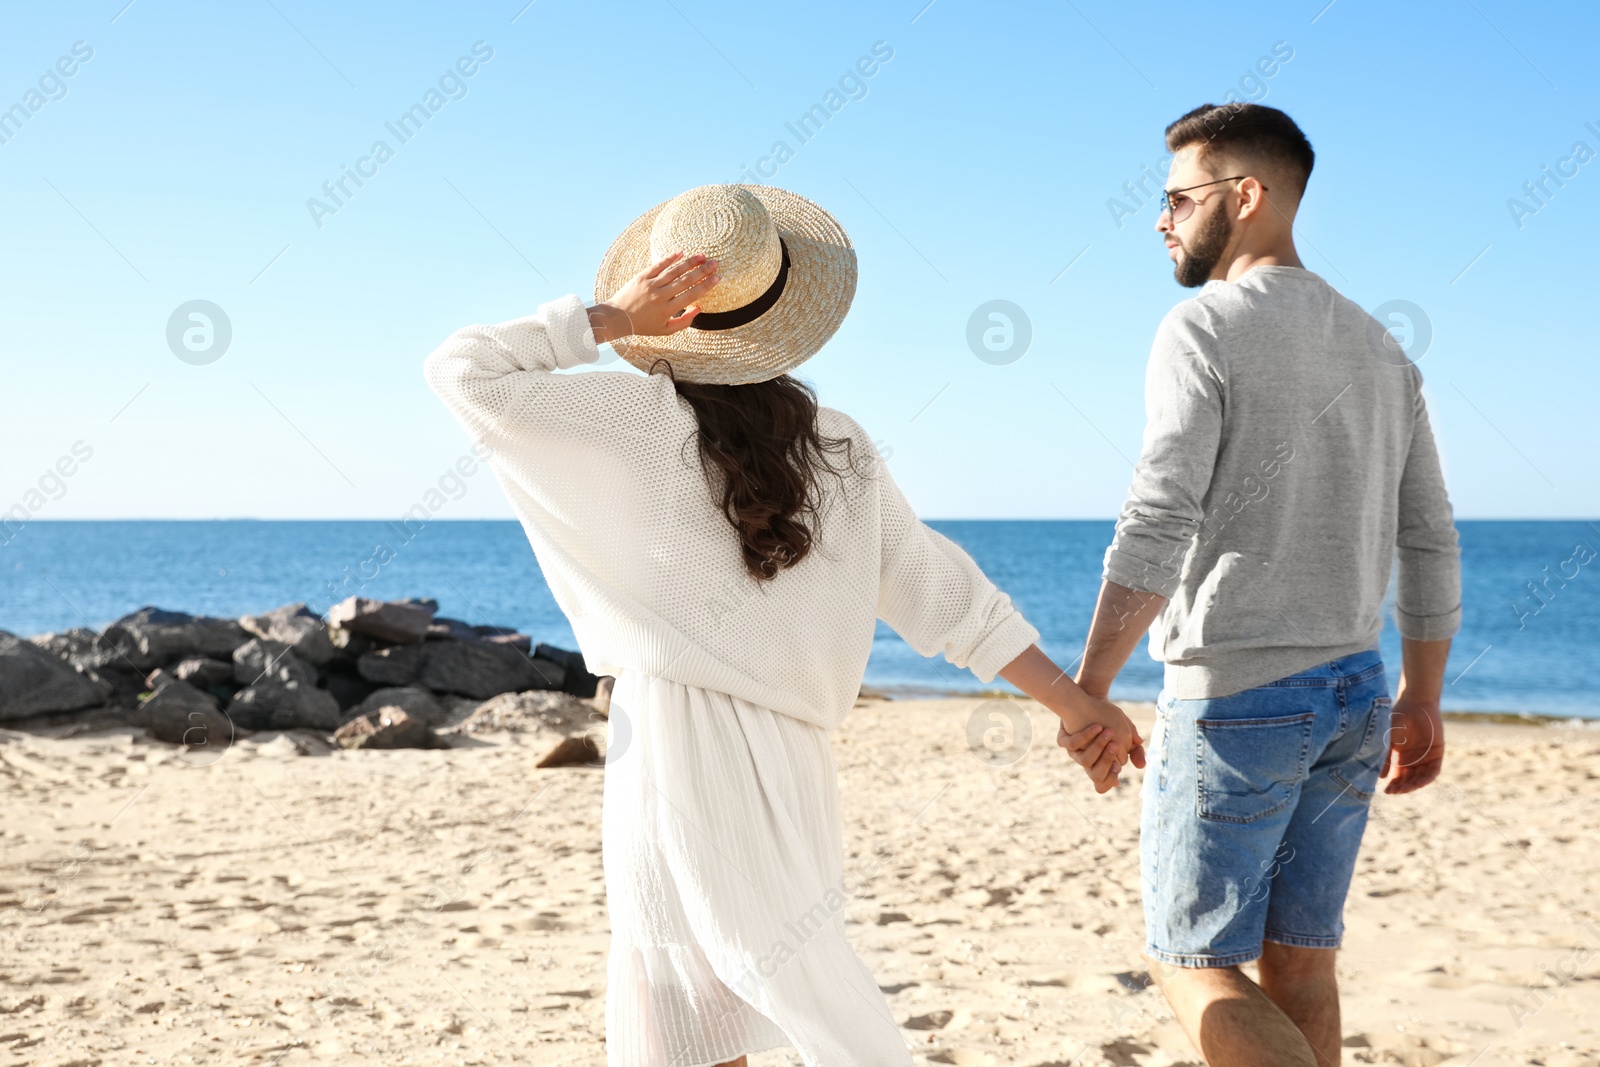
1199,256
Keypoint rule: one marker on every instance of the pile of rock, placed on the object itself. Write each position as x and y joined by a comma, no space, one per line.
375,674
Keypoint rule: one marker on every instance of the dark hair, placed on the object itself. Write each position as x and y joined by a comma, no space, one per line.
761,443
1252,130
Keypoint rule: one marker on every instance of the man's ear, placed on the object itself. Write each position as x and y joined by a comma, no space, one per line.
1252,198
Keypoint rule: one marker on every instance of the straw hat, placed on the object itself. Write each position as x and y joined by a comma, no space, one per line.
788,274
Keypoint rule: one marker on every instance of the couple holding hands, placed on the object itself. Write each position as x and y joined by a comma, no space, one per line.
724,546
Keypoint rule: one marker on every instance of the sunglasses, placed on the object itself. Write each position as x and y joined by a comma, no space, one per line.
1180,207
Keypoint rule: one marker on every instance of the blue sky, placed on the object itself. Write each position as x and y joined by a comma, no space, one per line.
978,163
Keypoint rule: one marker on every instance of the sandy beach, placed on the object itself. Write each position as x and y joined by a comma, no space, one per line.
291,903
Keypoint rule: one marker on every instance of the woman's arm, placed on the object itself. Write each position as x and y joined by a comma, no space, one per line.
657,301
500,381
1102,736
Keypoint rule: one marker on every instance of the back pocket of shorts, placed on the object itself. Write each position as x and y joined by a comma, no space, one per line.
1250,768
1360,775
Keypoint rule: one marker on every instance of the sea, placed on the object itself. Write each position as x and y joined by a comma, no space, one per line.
1529,642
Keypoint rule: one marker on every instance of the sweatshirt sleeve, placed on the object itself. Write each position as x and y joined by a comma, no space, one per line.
933,594
1183,430
492,377
1428,596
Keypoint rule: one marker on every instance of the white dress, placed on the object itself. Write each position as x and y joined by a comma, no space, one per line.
721,828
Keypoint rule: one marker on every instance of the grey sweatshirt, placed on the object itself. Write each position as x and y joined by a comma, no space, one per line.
1287,456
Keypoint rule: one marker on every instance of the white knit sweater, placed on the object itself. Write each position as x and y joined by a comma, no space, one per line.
604,473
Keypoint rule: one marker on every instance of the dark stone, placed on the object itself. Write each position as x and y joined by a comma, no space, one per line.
277,705
202,672
401,621
400,665
151,637
499,635
482,670
347,687
442,629
350,647
261,660
34,681
387,728
579,682
159,679
83,648
181,714
418,703
298,627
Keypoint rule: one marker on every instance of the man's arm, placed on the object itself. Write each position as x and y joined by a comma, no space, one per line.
1427,609
1158,523
1121,616
1416,741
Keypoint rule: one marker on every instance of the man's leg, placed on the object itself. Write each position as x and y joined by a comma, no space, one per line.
1303,983
1229,1019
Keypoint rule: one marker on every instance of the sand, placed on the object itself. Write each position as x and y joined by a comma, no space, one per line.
287,904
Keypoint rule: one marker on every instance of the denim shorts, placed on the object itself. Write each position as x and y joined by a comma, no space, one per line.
1253,809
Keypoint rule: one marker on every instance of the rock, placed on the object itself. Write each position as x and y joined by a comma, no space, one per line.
388,727
83,648
298,627
151,637
401,621
400,665
159,679
476,670
347,687
183,715
536,711
202,672
277,705
443,629
261,660
483,670
350,646
571,752
579,682
603,688
418,703
34,681
499,635
573,728
934,1020
98,659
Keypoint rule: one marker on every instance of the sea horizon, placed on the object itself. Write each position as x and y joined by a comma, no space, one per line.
1526,648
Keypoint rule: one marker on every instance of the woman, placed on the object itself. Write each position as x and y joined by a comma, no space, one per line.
724,547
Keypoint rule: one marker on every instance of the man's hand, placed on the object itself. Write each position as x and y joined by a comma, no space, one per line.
1105,745
1416,744
1093,748
657,301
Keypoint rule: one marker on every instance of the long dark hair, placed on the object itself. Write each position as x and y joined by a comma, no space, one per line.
760,444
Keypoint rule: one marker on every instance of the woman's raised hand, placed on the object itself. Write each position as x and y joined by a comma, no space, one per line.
658,300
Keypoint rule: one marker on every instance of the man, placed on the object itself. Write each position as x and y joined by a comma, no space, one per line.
1287,456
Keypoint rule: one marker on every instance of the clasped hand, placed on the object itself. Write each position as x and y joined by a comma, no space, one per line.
1104,745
